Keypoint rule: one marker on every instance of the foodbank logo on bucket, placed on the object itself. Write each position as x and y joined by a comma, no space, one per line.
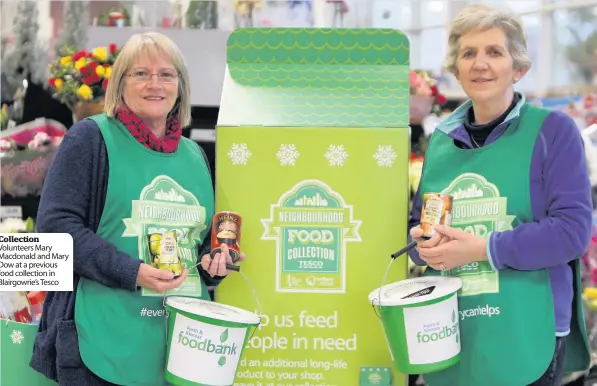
433,332
194,339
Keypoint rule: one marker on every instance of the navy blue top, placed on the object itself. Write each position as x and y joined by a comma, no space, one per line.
71,202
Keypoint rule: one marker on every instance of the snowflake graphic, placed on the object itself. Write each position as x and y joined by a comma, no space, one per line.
17,336
287,154
336,155
385,156
239,154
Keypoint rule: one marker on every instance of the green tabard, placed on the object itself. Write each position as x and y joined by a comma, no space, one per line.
507,317
122,334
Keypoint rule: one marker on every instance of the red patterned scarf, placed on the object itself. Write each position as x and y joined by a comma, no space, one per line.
142,133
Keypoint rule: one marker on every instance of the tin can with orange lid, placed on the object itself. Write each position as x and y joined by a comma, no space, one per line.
226,229
436,210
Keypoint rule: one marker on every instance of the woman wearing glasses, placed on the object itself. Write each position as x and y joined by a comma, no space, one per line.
135,196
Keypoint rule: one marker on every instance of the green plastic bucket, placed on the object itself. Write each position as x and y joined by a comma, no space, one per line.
420,320
205,341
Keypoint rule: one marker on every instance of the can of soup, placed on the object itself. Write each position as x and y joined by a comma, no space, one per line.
225,229
436,210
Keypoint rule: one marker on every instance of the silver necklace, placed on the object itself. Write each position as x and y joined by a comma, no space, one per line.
475,142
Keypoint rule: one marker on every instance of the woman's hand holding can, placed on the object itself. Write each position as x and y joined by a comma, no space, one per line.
158,280
437,239
216,266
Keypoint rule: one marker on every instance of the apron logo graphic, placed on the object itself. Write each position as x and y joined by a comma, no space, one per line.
433,332
478,209
168,222
311,225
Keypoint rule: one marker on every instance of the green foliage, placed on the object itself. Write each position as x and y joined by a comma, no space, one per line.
583,52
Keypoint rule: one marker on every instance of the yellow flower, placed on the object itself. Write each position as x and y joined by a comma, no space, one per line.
100,70
101,53
79,64
66,60
58,84
108,72
85,92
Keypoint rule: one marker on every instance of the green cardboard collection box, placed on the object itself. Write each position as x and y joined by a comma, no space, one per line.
16,348
312,150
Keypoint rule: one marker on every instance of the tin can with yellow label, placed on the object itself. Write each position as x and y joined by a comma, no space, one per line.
436,210
163,248
226,227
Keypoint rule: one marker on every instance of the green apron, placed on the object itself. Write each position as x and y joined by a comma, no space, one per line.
122,334
507,320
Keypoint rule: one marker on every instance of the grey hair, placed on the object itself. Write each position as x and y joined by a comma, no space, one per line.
480,16
156,45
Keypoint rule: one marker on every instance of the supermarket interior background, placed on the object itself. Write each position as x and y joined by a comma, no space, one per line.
562,43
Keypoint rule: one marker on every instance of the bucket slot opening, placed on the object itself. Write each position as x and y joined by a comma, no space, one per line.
423,292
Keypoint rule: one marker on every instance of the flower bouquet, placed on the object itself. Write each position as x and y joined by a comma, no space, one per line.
26,152
80,78
425,97
116,17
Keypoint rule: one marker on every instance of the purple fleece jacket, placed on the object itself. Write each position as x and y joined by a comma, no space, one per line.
561,204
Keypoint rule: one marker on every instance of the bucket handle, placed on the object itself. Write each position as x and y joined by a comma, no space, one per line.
167,313
394,255
256,301
383,281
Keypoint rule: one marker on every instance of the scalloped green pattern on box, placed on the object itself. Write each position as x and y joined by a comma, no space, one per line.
316,77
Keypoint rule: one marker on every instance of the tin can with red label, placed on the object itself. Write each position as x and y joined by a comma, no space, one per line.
226,229
436,210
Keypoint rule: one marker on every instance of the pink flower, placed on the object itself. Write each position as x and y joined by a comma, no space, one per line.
424,90
38,142
57,141
415,80
5,145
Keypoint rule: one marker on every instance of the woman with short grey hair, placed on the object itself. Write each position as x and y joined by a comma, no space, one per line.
480,16
521,219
